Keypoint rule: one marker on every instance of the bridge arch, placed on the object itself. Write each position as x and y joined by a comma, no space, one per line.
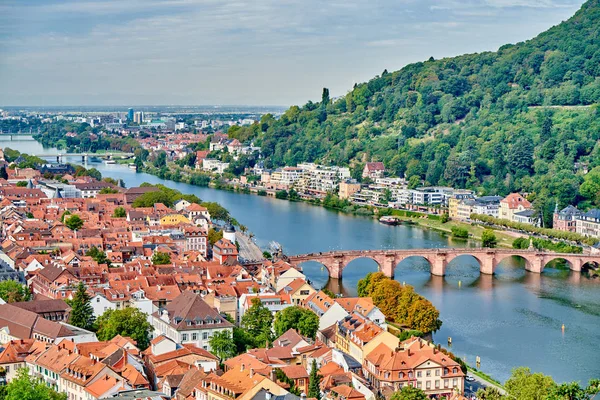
506,258
464,263
416,262
361,265
558,262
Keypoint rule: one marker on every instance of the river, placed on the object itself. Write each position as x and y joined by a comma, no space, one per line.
510,319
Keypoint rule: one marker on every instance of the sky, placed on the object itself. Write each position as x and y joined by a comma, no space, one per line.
239,52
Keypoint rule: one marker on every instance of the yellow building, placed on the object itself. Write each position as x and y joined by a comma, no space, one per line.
348,188
174,219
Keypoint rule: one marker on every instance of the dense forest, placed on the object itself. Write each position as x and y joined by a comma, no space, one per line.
523,118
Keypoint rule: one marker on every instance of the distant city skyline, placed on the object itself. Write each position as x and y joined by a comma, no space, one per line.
261,52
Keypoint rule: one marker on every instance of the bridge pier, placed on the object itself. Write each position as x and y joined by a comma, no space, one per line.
576,264
335,267
535,264
388,265
438,266
488,263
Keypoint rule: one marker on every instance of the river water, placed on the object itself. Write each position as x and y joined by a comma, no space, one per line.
510,319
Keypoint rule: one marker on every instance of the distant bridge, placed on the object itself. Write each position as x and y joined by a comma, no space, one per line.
387,260
19,135
85,156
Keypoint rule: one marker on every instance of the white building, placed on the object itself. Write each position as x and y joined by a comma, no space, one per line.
189,319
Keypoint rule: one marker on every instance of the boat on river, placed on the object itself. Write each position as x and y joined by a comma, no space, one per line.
389,220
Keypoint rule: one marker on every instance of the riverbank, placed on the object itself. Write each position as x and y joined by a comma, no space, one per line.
428,221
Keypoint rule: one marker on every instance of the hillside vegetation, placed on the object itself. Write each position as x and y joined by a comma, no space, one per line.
523,118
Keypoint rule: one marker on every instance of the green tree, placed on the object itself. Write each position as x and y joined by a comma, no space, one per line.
74,222
26,387
12,291
3,173
214,236
130,322
98,255
314,385
488,239
489,393
119,212
108,190
82,313
222,345
459,232
409,392
573,391
22,184
524,385
301,319
160,258
590,188
258,321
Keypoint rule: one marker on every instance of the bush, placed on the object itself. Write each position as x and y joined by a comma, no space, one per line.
459,232
281,194
488,239
445,218
261,192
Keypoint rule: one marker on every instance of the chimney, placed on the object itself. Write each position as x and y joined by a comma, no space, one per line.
268,395
303,396
408,351
242,367
251,372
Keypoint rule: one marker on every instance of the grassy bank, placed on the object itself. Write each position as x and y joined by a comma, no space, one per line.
505,239
485,376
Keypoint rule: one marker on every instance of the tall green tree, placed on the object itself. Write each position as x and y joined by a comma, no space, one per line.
222,345
258,321
129,322
314,385
301,319
82,313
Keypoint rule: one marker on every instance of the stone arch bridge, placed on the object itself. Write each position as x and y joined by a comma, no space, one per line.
387,260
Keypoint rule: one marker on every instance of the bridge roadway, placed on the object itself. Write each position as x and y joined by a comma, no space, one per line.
387,260
85,156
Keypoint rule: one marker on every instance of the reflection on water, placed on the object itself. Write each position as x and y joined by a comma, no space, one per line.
510,319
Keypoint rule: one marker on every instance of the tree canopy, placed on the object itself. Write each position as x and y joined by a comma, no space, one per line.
258,322
12,291
400,303
26,387
301,319
129,322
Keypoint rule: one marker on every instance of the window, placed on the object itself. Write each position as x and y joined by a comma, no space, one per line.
418,374
204,335
437,384
184,337
437,372
428,385
419,384
428,372
454,382
194,336
454,370
446,383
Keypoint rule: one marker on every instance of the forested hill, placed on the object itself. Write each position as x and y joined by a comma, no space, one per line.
495,121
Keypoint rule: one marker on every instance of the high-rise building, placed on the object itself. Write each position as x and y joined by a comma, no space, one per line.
130,114
138,117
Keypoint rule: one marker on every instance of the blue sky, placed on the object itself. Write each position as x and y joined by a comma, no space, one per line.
259,52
